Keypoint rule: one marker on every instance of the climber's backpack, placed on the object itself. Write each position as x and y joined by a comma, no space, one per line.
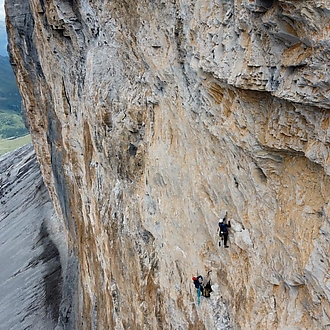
223,228
207,290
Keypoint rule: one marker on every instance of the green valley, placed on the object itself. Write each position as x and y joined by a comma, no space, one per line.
11,122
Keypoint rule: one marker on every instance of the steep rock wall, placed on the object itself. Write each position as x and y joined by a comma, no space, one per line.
150,119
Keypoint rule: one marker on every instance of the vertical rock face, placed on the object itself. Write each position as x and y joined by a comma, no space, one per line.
149,120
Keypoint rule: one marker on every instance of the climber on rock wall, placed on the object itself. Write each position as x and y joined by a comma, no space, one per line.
203,286
223,231
207,289
198,282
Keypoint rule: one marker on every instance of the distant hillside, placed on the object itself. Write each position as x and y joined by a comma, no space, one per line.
3,39
11,123
10,98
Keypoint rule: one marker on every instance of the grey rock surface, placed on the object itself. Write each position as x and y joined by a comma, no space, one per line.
31,270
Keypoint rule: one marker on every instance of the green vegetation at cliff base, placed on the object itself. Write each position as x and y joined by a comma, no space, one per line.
13,133
11,125
7,145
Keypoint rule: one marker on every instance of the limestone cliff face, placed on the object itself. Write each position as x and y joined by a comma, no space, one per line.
149,120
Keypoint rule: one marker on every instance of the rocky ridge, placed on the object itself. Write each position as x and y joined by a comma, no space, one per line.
149,120
31,241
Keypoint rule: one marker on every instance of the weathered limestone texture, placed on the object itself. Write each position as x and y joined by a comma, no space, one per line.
33,251
149,120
